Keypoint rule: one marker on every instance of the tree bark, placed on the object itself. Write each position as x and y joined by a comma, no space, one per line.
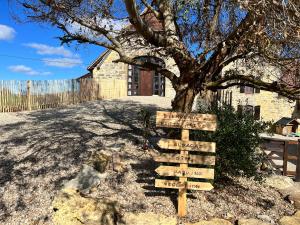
184,99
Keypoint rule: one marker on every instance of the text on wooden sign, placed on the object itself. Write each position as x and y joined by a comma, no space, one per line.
204,173
200,146
190,159
203,186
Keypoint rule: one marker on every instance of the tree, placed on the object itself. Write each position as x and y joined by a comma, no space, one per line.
202,36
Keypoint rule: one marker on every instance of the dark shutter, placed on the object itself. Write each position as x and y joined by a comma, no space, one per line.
257,90
298,105
242,89
257,112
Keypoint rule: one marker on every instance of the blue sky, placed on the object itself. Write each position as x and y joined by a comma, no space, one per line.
30,51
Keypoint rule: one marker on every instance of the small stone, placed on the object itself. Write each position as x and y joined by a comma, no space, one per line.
252,222
228,216
100,161
265,218
86,179
148,219
118,165
214,221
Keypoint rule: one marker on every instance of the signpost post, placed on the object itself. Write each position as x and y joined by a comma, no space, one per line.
206,122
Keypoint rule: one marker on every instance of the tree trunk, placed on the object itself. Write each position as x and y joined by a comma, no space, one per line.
184,99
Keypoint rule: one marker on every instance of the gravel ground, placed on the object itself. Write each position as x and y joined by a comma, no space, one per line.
40,150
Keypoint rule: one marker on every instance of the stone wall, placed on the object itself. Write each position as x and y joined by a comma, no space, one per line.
113,79
109,71
272,106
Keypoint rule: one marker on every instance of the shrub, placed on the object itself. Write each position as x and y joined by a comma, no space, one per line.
237,139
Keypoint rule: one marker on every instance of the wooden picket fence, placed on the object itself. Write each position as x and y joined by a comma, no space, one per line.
18,95
222,97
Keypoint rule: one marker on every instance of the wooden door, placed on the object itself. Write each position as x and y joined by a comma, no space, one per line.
146,82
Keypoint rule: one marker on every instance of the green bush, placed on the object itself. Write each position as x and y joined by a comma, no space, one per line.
237,139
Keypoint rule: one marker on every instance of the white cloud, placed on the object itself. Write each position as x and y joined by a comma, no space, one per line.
43,49
6,33
63,62
26,70
68,60
112,25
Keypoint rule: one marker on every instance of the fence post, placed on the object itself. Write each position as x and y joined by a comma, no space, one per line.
73,91
285,158
28,95
297,178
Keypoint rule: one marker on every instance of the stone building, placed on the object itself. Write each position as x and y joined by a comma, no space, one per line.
118,80
264,105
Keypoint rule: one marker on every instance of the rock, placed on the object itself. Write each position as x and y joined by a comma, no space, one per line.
86,179
288,199
265,218
214,221
252,222
292,194
70,208
296,198
148,219
279,182
118,165
290,220
228,216
100,161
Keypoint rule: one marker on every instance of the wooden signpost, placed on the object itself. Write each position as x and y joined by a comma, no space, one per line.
206,122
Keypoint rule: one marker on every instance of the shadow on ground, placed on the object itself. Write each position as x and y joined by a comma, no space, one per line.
47,147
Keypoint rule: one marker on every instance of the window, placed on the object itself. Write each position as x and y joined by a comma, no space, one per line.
248,90
136,82
249,109
133,80
257,112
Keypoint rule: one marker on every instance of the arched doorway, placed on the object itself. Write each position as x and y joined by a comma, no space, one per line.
145,82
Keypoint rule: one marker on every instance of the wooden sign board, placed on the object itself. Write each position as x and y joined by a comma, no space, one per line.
201,186
199,146
204,173
186,121
187,116
189,159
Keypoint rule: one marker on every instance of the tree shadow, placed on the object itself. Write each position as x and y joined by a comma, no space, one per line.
146,174
49,146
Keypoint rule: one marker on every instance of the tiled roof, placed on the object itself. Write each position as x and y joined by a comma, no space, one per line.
99,60
285,121
87,75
